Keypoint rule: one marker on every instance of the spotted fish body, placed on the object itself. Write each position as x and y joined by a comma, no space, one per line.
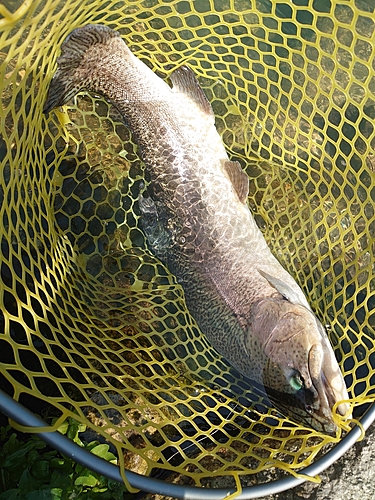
196,220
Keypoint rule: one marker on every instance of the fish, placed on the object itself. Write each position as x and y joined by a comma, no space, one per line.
196,220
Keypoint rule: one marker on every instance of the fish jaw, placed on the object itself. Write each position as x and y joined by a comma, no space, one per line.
328,385
301,375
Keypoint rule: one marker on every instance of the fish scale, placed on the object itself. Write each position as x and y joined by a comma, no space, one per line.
196,220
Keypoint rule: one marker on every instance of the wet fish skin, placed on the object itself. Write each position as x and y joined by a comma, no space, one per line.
196,221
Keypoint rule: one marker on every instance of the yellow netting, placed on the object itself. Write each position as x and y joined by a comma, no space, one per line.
91,322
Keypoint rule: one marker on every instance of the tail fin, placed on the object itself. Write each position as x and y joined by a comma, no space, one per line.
83,55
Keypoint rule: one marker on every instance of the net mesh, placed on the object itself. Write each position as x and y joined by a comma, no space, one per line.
91,323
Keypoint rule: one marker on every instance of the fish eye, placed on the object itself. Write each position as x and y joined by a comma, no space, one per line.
296,382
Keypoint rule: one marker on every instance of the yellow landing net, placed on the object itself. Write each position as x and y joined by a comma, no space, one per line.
91,322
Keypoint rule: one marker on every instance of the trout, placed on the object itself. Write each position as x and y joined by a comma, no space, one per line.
196,220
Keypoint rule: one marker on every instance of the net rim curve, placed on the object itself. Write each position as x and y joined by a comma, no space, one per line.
17,412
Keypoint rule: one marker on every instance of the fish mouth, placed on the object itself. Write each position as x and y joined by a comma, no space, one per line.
328,387
332,398
304,409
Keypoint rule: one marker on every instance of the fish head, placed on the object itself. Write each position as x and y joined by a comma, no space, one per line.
300,374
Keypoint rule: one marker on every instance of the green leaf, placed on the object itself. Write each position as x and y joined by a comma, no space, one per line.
32,456
88,480
118,493
11,445
60,463
61,479
45,494
27,482
112,485
74,429
81,427
50,455
63,429
19,454
4,431
10,494
102,451
91,445
14,458
40,469
46,475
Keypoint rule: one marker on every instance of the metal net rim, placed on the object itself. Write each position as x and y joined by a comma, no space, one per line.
17,412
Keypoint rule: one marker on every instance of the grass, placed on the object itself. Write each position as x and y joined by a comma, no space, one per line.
31,470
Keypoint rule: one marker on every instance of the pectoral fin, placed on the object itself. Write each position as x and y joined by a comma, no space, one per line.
283,288
238,178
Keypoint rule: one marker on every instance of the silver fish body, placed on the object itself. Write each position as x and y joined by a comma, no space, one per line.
196,221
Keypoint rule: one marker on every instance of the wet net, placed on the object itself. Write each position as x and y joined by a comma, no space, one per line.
92,325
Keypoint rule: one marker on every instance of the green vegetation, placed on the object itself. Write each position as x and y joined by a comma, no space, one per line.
30,470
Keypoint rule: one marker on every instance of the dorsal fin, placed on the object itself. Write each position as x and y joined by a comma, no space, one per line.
238,178
184,81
